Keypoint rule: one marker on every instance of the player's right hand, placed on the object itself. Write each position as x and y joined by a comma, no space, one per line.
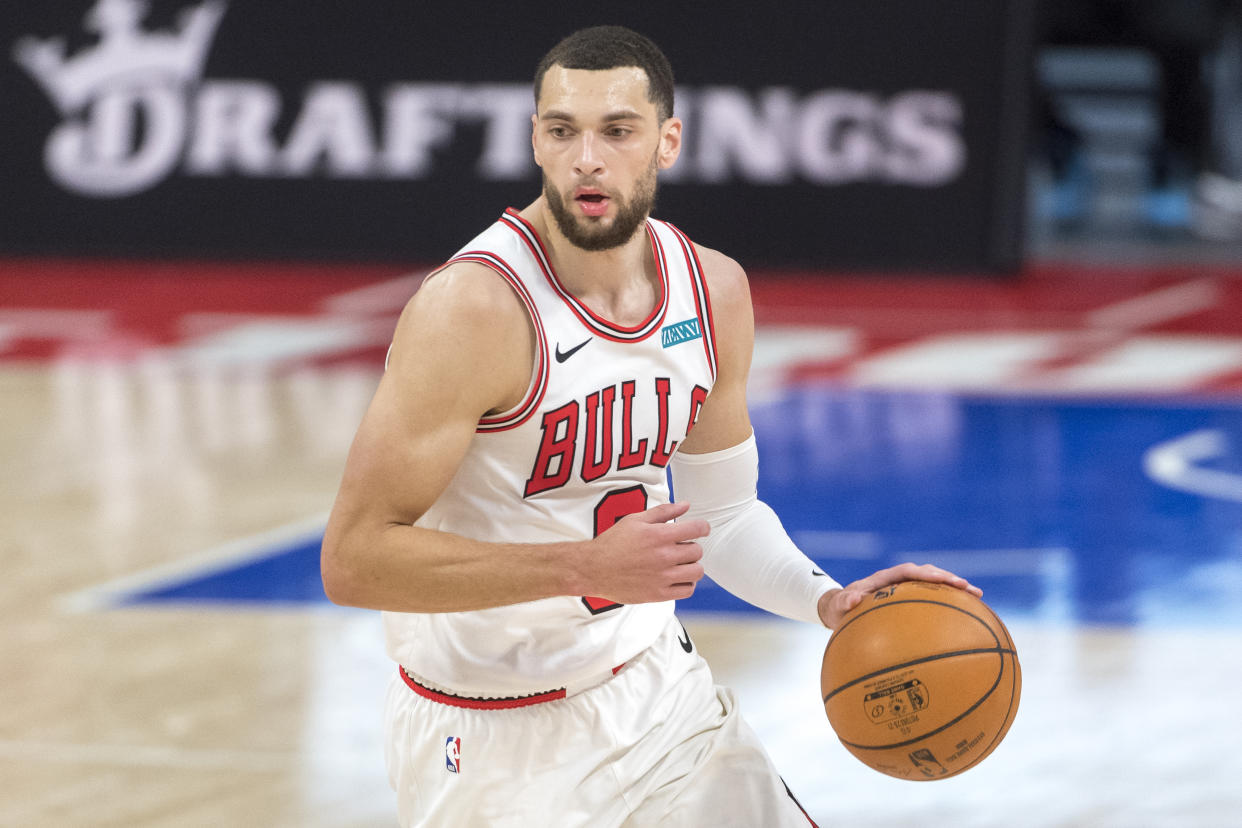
646,557
834,604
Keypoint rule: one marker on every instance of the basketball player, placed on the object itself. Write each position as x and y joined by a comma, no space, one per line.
505,501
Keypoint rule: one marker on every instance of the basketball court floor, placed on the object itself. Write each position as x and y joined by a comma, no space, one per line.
171,438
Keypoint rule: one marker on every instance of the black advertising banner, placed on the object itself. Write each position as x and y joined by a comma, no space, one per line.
850,134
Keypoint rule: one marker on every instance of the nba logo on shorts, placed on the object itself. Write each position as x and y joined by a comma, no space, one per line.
452,754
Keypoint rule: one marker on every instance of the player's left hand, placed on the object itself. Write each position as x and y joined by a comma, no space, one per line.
837,602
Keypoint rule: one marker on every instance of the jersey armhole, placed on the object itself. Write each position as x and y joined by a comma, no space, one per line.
538,385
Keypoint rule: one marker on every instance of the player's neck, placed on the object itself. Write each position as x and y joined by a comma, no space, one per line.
620,284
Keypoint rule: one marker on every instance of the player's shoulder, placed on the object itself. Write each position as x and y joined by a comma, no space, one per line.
467,304
726,278
463,294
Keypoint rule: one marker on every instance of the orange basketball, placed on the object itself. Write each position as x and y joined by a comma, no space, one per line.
921,681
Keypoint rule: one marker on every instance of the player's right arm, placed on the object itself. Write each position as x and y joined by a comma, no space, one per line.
463,348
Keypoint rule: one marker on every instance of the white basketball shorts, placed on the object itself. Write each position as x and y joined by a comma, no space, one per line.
656,744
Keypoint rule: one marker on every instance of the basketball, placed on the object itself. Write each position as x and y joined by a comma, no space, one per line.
921,681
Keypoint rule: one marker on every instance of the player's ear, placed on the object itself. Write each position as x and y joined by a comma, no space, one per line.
670,143
534,145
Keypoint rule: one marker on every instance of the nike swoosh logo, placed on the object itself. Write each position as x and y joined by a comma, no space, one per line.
817,573
561,356
685,642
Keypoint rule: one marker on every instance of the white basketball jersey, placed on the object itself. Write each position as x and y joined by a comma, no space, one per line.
607,407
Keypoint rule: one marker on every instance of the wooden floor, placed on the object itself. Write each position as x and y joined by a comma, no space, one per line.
117,470
173,717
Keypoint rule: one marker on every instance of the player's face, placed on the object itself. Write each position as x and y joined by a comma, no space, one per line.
600,144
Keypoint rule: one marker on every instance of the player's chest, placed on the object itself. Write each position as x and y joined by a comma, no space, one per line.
618,409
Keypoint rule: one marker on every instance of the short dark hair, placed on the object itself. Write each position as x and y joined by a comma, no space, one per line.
609,47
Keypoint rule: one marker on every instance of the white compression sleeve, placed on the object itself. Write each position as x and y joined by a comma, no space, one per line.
748,551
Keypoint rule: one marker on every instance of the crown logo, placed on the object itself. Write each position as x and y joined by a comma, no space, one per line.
125,52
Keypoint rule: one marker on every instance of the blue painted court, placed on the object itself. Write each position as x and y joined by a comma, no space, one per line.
1049,504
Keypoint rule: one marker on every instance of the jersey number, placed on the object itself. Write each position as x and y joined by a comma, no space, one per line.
612,507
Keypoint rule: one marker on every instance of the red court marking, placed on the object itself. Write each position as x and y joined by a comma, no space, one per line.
120,309
148,303
889,312
1044,295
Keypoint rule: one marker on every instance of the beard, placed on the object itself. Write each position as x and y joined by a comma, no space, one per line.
589,233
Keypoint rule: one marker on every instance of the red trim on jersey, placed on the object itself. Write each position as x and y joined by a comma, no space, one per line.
539,385
507,703
702,299
592,321
480,704
799,804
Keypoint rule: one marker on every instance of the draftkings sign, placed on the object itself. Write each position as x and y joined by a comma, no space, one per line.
829,136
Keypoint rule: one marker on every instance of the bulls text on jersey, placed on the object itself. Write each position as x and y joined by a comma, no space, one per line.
554,462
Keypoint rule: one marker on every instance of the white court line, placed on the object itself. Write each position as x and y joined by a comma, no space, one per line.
822,543
1037,560
260,340
1175,463
254,547
57,323
1154,362
168,756
381,297
1157,307
49,323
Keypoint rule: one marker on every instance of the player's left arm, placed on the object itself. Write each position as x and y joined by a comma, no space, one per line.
716,471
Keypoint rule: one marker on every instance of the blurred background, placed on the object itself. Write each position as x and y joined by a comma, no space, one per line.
996,257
